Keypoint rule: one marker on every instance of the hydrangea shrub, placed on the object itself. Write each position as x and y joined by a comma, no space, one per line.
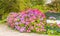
31,20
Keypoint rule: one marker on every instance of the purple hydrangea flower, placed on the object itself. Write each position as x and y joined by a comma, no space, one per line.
16,23
17,27
22,29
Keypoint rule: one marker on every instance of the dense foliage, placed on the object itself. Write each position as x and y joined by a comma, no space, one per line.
55,5
25,4
7,6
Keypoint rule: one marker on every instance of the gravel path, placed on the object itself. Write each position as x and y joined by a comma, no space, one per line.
5,31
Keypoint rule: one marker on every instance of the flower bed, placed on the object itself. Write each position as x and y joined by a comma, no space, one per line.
53,27
31,20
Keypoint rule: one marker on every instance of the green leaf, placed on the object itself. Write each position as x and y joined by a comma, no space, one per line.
21,25
58,30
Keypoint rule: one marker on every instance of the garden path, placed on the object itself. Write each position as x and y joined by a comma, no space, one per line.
6,31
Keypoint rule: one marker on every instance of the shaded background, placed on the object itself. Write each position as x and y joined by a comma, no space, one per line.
7,6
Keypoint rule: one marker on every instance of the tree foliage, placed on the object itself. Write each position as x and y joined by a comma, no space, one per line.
7,6
55,5
30,3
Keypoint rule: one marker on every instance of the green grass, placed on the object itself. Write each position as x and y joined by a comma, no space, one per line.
2,21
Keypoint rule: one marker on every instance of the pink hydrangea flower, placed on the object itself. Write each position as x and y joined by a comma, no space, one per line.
58,25
15,19
27,23
31,27
10,20
12,14
38,30
22,29
28,30
17,27
12,25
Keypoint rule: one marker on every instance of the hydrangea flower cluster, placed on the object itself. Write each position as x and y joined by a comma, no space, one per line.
31,20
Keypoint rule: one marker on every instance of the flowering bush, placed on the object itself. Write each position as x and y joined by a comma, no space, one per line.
31,20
